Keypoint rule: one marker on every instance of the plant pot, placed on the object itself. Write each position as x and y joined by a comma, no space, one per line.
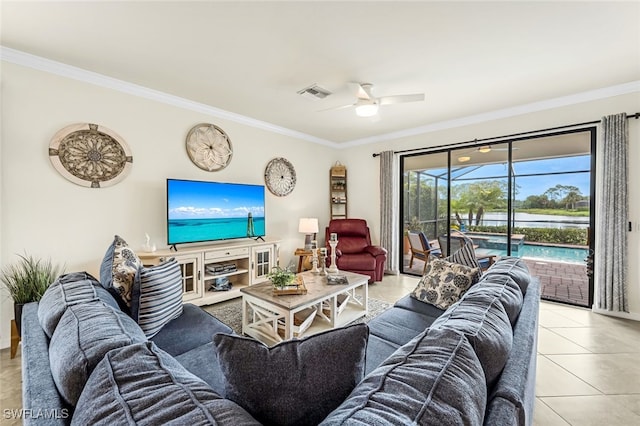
407,246
17,312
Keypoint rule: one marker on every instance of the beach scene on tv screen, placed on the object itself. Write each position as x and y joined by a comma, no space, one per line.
206,211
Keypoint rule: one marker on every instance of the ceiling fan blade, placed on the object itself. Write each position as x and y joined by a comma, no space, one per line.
361,90
398,99
337,108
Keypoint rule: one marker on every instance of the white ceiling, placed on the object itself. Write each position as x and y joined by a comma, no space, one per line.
471,59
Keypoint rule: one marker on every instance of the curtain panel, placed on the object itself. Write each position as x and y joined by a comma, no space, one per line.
389,210
613,216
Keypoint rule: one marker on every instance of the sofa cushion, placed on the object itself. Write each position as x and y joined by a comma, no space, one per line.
193,328
157,296
444,282
505,289
141,384
514,267
68,290
414,305
484,321
85,333
118,270
297,382
399,325
438,376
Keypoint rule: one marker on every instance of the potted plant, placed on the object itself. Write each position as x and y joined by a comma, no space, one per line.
27,280
281,277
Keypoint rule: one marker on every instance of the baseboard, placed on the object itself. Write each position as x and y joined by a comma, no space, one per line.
625,315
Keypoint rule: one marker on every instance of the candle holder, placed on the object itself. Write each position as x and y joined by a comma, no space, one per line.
333,269
314,261
323,261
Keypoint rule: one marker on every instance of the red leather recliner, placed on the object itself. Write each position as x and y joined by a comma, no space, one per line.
354,252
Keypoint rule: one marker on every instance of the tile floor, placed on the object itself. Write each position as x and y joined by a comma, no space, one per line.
588,365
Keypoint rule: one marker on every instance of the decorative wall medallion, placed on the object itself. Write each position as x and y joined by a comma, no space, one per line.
90,155
209,147
280,176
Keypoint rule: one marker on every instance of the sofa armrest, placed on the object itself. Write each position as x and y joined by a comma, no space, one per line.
39,391
376,251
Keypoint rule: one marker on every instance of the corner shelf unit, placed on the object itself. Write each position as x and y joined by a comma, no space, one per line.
243,263
338,192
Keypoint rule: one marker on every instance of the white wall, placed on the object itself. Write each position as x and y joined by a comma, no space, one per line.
363,202
48,216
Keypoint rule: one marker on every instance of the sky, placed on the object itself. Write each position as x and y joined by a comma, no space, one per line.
538,184
203,200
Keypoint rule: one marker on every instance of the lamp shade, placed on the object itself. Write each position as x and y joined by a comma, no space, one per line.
308,225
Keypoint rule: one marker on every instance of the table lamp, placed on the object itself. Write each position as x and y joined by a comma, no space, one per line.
309,227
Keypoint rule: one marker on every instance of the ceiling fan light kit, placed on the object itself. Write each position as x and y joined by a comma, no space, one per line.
484,149
367,110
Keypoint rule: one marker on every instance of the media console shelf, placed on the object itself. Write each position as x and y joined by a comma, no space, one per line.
242,262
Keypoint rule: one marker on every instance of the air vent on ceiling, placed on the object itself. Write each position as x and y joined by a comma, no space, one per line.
314,92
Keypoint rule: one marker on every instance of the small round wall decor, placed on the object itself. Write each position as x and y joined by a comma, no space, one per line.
280,177
209,147
90,155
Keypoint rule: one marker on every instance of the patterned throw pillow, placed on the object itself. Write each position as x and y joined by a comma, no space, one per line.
443,283
119,268
157,296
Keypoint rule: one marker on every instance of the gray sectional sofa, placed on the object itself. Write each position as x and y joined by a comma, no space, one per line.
84,361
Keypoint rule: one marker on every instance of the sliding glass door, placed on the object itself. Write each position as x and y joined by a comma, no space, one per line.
531,198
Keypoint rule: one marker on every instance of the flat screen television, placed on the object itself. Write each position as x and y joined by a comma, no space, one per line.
199,211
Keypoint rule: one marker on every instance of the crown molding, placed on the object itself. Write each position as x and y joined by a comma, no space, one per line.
577,98
47,65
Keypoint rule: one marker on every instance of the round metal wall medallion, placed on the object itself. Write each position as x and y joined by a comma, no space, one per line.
209,147
90,155
280,176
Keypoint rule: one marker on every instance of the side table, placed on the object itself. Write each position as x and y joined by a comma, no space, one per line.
15,338
302,256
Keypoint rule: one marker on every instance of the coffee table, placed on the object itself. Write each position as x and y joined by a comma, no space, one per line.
273,319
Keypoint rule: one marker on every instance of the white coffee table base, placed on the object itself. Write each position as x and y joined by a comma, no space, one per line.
262,319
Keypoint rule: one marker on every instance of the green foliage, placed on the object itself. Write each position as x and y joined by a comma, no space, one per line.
572,236
281,277
28,279
478,196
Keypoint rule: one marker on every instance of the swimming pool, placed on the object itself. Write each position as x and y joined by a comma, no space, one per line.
496,244
550,253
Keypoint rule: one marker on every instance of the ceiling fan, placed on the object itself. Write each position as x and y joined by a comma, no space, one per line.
482,149
366,104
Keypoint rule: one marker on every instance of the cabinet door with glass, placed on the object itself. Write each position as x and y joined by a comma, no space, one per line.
191,279
262,260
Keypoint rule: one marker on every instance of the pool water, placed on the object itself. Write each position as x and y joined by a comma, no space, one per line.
551,253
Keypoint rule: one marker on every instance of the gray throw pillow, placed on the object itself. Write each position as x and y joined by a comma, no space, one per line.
297,382
85,333
118,270
68,290
157,296
434,379
443,283
484,321
141,384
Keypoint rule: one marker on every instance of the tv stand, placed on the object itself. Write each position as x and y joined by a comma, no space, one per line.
242,262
